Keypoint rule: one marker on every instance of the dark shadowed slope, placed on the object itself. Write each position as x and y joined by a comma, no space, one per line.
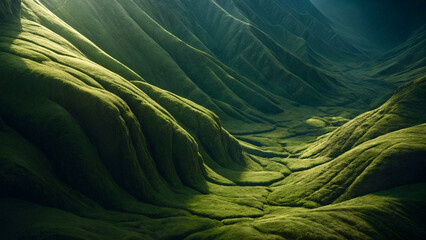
382,23
10,10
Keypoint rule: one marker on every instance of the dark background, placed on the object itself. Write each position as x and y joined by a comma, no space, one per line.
385,23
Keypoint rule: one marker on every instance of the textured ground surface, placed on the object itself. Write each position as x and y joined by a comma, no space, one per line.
205,119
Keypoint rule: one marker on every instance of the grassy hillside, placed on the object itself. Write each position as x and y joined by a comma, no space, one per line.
173,44
404,109
10,10
111,124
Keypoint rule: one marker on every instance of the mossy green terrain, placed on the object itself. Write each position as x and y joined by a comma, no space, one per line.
10,10
207,119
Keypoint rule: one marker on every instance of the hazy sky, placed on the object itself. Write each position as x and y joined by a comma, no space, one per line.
386,22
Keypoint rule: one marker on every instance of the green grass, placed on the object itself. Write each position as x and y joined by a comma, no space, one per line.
111,124
10,10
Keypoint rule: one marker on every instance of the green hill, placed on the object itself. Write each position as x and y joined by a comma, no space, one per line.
116,119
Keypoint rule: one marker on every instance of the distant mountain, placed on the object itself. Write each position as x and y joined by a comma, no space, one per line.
383,23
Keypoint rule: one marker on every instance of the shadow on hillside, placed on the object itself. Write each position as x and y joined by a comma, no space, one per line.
83,157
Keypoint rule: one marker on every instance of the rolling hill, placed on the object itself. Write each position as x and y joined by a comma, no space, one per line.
206,119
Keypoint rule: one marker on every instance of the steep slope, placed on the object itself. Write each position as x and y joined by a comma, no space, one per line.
9,10
89,149
298,27
404,109
407,59
264,57
170,58
96,132
367,168
147,49
367,154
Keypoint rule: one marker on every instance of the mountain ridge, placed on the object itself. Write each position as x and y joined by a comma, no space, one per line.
115,124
